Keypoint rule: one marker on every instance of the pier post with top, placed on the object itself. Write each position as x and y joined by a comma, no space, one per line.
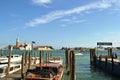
66,57
26,58
9,60
22,70
73,66
35,58
70,64
110,52
92,55
67,52
41,58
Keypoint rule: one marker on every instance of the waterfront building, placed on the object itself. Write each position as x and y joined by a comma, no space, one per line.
43,48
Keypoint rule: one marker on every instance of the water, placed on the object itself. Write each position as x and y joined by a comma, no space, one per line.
83,69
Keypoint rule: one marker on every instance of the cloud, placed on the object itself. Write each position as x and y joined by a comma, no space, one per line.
59,14
42,2
73,20
70,22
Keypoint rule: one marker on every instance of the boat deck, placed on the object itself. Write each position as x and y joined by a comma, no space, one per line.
14,76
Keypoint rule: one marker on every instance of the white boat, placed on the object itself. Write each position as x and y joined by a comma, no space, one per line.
58,60
14,58
78,54
13,68
35,60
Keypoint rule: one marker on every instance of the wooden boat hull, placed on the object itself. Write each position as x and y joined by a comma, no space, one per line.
45,71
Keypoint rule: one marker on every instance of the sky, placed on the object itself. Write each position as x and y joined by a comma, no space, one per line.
60,23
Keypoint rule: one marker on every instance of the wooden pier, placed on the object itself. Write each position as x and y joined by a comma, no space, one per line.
108,63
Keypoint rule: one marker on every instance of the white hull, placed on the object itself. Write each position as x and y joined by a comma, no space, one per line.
13,68
35,61
78,54
57,60
14,58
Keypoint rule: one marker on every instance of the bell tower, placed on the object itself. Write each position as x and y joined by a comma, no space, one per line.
17,42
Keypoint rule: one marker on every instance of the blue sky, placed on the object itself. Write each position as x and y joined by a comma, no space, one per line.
67,23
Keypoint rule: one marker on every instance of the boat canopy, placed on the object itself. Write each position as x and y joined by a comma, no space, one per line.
104,43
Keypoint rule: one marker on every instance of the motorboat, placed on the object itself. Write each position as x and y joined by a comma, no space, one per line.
56,59
79,54
13,68
14,58
45,71
35,60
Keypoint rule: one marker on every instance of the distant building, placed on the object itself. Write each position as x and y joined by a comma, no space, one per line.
43,48
17,42
25,46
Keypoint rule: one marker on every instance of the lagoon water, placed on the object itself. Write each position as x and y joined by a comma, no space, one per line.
83,69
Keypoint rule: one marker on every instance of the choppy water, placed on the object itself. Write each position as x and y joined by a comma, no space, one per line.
83,70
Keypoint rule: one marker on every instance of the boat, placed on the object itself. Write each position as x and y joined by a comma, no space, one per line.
45,71
14,58
78,54
13,68
56,59
35,60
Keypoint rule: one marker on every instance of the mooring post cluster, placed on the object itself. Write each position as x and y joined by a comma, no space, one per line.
27,61
71,64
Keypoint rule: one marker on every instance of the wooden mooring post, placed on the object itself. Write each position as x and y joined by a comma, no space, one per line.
35,58
9,61
92,56
41,59
30,56
109,51
26,58
23,66
72,66
67,53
